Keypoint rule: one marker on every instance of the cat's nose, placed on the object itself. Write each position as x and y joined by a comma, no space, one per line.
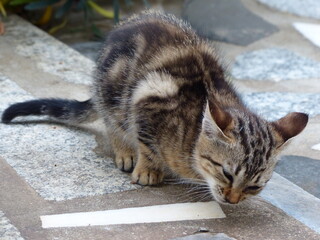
233,197
232,201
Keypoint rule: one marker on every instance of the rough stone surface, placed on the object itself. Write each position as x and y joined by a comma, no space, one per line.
57,161
274,64
88,49
7,230
226,21
274,105
302,171
304,8
293,200
46,51
206,236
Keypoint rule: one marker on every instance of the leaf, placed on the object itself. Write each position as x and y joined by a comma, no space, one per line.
46,16
20,2
58,27
62,10
40,4
100,10
2,10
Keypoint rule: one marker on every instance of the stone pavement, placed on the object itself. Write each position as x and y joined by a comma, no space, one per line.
53,169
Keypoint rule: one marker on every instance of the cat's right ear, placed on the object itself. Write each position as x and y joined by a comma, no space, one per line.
223,119
289,126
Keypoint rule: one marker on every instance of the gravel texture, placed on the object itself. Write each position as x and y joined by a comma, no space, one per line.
46,52
303,8
274,105
274,64
59,162
7,230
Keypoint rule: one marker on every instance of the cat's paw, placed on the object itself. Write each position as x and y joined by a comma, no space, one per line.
125,162
147,176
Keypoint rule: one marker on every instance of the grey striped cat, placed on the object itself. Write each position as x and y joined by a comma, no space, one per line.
169,110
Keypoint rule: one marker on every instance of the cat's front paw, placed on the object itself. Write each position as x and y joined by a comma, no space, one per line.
146,176
125,162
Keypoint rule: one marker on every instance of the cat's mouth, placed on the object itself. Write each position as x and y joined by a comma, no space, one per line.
230,197
225,201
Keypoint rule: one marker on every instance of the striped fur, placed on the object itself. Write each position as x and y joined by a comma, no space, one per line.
169,110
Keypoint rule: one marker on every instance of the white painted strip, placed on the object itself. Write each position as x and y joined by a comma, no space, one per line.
316,147
310,31
293,200
149,214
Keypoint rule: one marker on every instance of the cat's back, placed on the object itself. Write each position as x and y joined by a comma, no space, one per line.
145,36
149,42
157,28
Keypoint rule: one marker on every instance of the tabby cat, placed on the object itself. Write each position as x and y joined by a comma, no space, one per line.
169,109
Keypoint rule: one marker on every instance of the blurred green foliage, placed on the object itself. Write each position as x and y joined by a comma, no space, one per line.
58,11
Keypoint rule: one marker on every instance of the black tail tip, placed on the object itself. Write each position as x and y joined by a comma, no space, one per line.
7,116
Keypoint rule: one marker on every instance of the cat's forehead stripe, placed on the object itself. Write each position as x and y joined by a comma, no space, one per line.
244,136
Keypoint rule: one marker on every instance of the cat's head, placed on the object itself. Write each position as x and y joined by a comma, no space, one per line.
237,151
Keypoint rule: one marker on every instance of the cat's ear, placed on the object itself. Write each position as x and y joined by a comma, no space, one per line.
223,119
289,126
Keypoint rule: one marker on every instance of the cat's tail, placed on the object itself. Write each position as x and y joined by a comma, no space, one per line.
67,111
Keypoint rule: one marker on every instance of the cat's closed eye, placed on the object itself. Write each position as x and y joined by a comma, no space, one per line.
252,188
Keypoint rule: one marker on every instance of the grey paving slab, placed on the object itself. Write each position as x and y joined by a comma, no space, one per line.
274,64
304,8
293,200
274,105
50,55
88,49
7,230
226,21
57,161
302,171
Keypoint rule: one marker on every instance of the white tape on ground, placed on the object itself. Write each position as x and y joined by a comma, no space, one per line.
149,214
310,31
316,147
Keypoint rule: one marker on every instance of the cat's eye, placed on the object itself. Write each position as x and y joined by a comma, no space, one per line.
228,175
253,188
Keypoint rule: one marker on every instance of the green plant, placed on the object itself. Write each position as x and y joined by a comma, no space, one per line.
59,11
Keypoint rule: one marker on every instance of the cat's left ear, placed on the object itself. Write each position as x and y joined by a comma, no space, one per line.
222,118
289,126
